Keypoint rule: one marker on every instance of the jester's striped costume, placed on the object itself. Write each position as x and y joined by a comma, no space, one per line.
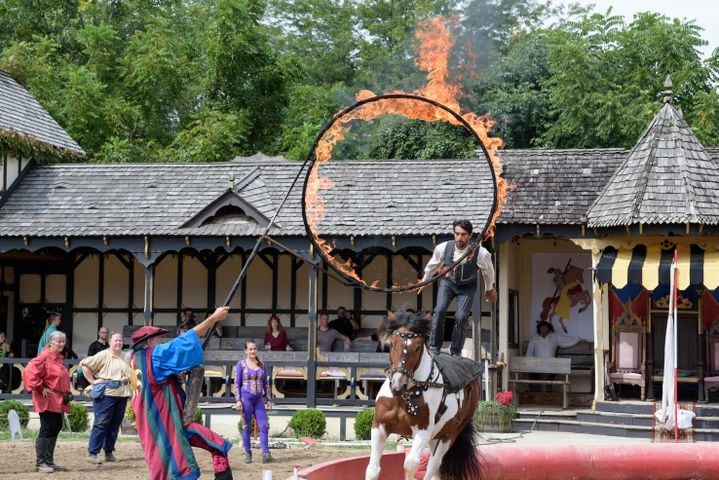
159,405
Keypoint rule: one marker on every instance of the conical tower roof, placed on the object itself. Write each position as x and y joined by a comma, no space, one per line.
668,178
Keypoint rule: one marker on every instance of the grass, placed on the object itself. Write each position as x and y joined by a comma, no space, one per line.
64,436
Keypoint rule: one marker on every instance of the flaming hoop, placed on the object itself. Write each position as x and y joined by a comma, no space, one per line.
313,204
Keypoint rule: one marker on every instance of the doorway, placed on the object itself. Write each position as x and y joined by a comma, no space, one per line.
688,352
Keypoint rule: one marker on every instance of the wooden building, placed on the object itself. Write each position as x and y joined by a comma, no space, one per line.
134,244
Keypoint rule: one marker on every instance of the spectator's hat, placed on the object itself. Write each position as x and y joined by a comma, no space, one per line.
145,333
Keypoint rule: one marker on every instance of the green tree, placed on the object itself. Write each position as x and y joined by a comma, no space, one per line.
605,77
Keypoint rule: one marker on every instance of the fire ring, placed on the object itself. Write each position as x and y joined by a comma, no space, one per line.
347,271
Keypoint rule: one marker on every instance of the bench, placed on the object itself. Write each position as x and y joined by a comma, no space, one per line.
371,375
530,365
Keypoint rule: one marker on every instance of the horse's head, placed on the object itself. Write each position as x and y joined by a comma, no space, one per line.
408,332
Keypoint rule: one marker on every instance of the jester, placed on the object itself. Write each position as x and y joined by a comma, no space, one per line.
159,403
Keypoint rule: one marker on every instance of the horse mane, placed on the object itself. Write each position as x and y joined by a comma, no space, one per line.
416,322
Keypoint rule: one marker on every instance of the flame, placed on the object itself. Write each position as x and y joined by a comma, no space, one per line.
435,45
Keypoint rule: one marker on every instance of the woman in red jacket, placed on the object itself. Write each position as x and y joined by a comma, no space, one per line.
49,381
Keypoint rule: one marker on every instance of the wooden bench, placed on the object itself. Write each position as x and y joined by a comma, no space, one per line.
371,375
529,365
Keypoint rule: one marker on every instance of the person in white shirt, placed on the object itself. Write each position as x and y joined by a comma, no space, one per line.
545,342
460,282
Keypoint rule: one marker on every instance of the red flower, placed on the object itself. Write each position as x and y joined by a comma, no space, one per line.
503,398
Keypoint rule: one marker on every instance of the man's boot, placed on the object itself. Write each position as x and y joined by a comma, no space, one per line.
226,475
248,457
41,465
51,456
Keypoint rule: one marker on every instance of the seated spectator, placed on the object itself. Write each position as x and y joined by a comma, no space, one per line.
379,337
275,335
326,336
345,323
5,349
5,352
546,342
187,322
68,353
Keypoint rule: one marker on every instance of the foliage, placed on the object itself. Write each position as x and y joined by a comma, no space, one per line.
252,425
363,423
19,407
498,414
189,81
130,412
78,418
308,423
606,76
198,415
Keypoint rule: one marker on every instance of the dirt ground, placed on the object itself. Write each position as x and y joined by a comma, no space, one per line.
18,462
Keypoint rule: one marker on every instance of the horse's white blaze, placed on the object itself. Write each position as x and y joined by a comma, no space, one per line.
398,381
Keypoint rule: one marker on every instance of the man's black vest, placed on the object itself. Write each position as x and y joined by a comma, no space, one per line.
464,273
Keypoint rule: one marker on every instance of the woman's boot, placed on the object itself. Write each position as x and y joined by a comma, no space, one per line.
41,450
51,456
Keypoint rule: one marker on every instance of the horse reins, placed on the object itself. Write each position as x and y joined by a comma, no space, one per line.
417,386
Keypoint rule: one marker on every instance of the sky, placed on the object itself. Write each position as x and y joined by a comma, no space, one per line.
704,12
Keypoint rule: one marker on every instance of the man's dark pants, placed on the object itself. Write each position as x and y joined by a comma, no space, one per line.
448,290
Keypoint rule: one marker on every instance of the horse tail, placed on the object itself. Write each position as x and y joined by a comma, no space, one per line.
461,461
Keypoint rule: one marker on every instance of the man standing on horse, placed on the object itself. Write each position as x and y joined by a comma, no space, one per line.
459,282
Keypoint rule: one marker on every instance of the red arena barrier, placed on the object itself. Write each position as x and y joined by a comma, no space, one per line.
665,461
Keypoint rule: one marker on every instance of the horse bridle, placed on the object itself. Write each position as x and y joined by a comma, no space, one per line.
417,386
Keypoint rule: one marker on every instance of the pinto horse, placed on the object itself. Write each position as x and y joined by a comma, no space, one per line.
415,401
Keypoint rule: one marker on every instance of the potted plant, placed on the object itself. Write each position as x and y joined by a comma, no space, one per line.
496,415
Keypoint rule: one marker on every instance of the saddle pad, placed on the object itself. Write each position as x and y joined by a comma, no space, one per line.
456,372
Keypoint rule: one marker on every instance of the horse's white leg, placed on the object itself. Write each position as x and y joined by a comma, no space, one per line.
437,450
378,436
420,439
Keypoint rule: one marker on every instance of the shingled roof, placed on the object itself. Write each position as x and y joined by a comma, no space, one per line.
370,198
20,113
668,177
555,187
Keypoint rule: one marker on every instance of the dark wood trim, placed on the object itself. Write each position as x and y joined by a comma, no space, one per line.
389,273
4,171
131,290
325,287
211,282
275,280
101,290
243,294
178,289
294,261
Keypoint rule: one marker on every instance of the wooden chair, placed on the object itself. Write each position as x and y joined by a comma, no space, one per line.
628,355
711,376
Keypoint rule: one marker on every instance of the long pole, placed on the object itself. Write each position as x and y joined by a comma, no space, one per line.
676,371
255,249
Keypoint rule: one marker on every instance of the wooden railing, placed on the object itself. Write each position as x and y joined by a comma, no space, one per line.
355,376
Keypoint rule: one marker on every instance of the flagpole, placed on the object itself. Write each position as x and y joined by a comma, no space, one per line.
675,266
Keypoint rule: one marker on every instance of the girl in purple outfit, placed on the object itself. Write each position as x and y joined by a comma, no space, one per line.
253,395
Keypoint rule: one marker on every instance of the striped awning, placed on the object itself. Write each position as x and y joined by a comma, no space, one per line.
648,265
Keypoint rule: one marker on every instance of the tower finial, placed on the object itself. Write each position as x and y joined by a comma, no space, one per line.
668,95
